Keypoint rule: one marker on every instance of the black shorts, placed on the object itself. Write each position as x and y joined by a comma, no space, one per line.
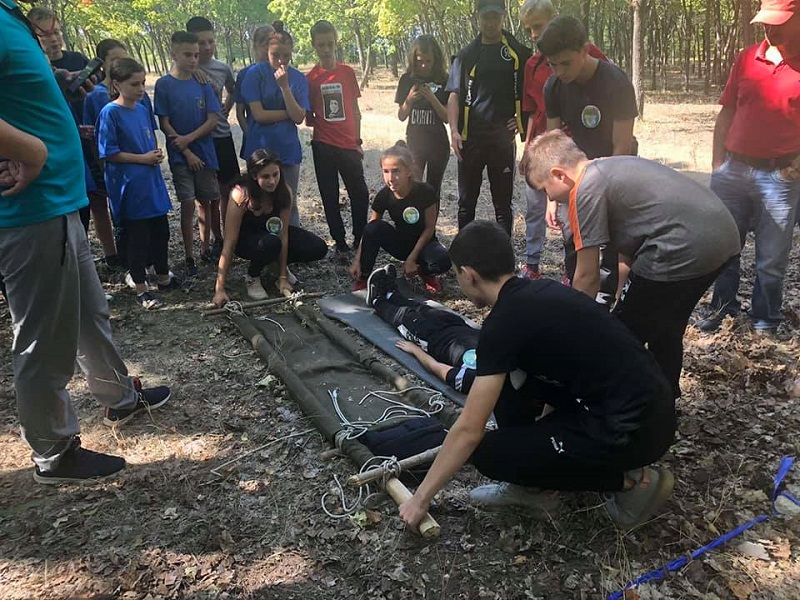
228,161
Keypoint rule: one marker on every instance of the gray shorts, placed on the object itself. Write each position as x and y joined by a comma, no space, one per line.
194,185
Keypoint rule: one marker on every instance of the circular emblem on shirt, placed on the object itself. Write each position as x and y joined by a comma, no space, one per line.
590,116
470,359
274,225
411,215
505,53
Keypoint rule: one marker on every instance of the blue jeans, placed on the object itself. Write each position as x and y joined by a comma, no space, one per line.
765,202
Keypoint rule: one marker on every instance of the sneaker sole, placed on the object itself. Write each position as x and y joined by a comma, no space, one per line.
71,480
139,410
666,482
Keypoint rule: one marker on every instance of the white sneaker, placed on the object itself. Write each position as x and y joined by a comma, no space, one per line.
495,496
255,291
636,506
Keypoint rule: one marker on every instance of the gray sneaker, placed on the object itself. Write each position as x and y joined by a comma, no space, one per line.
635,506
495,496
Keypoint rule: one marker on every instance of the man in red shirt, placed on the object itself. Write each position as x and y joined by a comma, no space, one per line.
336,120
756,160
535,15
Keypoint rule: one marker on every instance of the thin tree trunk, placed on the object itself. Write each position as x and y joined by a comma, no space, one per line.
636,56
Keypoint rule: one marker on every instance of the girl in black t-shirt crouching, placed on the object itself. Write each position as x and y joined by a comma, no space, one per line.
412,238
257,228
422,101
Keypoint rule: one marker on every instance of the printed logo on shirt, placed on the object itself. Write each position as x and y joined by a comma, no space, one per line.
590,116
201,103
333,101
506,54
470,359
274,225
422,117
411,215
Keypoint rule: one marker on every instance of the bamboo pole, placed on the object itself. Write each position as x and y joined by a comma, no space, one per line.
402,465
321,416
267,302
428,527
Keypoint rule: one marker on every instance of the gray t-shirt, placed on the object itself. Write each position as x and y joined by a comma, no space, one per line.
220,76
671,227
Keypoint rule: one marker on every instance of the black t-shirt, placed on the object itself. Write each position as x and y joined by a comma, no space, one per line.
408,214
493,100
559,346
72,61
423,122
589,110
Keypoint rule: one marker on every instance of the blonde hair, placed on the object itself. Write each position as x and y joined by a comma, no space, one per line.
401,152
551,149
530,8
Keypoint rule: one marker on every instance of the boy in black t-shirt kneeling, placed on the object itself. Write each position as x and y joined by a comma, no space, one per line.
613,410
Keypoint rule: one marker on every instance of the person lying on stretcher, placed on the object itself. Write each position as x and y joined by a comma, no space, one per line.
441,340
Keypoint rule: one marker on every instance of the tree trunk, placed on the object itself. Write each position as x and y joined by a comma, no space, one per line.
636,55
364,83
745,14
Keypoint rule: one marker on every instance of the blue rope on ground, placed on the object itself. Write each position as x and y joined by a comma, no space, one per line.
658,574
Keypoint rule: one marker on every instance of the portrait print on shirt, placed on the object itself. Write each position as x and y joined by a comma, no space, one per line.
333,101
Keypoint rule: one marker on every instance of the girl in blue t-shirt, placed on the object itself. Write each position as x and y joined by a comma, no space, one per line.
277,98
136,191
411,237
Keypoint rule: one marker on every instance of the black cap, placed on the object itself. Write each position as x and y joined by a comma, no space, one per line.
498,6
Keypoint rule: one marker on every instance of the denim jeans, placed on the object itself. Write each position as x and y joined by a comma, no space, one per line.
767,203
535,226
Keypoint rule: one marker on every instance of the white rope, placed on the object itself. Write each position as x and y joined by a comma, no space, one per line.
396,410
364,493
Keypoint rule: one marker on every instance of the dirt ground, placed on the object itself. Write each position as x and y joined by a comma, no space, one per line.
171,527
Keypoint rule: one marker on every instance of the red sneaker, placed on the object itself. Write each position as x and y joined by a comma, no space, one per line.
529,272
359,284
433,284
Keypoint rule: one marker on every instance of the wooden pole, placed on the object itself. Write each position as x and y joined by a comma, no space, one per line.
428,527
402,465
267,302
321,417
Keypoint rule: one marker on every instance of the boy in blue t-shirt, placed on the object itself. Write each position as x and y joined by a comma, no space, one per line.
188,113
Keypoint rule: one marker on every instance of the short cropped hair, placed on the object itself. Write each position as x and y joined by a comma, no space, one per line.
41,13
552,149
562,34
321,28
486,247
198,24
183,37
107,45
531,8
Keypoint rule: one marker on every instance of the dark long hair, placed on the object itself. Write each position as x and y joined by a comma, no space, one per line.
122,70
281,197
427,43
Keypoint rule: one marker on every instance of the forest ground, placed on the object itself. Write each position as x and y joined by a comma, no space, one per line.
170,527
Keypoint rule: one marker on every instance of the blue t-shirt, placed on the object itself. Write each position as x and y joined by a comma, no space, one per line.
134,191
187,104
99,97
31,101
259,85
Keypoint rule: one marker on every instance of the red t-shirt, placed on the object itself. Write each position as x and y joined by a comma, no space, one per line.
766,98
533,87
334,97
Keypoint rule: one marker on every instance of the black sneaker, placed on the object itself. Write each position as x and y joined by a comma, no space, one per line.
149,301
191,268
710,323
342,247
381,282
79,465
146,400
113,263
174,284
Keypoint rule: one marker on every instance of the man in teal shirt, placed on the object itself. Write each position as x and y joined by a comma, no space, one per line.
58,308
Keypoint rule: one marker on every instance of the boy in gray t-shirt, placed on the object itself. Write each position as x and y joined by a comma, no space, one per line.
674,233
